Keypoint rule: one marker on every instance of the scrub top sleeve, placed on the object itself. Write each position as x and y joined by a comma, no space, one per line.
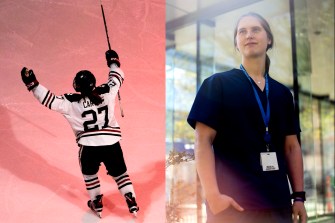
207,104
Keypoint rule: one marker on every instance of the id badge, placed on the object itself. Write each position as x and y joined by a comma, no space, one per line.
269,161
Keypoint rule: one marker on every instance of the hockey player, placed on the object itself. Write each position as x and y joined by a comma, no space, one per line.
91,116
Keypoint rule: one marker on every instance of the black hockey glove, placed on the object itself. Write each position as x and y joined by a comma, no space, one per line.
112,57
29,79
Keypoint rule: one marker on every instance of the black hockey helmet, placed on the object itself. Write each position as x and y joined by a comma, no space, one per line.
84,81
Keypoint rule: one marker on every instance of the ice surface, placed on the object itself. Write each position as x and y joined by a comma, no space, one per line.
40,179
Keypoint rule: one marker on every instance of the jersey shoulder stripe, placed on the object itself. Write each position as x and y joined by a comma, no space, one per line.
73,97
102,89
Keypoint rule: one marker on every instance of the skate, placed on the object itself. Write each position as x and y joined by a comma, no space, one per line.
96,205
131,202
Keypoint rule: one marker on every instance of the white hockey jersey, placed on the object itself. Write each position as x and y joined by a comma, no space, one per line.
93,125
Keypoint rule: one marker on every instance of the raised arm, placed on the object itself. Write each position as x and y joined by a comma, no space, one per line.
116,75
42,94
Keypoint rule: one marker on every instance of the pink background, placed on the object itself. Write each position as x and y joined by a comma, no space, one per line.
40,179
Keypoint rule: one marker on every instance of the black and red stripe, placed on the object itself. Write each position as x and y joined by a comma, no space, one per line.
48,99
123,181
92,183
117,76
111,131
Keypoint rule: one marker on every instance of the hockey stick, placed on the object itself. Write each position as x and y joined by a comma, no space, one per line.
109,47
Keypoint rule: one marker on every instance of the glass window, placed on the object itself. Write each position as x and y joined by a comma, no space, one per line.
200,43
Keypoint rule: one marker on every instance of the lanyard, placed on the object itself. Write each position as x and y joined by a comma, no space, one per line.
265,116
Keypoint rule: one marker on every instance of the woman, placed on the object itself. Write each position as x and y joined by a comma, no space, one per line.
91,116
246,137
